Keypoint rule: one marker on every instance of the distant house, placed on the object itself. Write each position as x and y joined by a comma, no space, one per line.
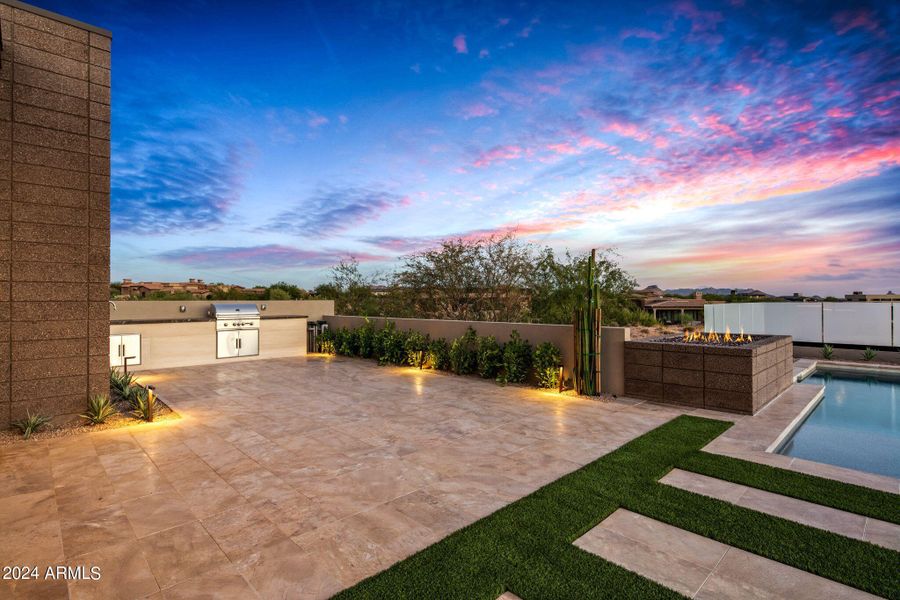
669,309
142,289
798,297
860,297
752,294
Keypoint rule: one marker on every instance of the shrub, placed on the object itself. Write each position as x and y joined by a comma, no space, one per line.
516,359
439,355
30,424
99,409
349,342
365,337
390,345
868,354
464,353
827,351
490,357
327,341
144,404
416,348
547,360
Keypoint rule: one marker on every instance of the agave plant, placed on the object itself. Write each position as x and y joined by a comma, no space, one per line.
120,382
868,354
30,424
827,351
144,403
99,409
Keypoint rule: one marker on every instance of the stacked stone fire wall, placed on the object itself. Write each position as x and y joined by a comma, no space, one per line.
54,212
731,378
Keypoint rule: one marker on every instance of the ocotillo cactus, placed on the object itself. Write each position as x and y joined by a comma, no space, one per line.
587,334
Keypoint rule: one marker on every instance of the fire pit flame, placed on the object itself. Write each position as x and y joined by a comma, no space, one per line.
712,337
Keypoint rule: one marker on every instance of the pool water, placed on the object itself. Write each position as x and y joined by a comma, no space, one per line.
856,425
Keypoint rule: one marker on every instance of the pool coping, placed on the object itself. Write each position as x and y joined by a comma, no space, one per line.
754,437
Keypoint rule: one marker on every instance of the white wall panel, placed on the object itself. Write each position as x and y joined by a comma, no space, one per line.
861,323
896,309
800,320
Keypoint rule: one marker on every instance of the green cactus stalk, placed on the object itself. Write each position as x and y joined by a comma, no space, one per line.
587,333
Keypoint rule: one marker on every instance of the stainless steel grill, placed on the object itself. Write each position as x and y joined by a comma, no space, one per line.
237,329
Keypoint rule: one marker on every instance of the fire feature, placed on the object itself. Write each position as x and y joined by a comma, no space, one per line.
720,371
712,337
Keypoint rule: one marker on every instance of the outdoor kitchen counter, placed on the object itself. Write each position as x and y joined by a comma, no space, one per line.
188,341
195,320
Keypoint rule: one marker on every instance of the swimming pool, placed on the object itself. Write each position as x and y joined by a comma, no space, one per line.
856,424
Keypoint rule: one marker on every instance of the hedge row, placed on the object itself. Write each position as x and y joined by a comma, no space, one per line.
512,362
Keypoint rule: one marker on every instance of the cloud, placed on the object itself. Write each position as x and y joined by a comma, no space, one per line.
165,186
260,257
416,68
334,210
484,53
459,43
315,120
641,33
476,110
846,21
497,154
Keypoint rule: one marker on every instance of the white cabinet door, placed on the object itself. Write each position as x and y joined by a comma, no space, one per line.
248,345
115,351
227,344
131,343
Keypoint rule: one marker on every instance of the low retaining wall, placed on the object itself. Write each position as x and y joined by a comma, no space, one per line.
739,379
612,351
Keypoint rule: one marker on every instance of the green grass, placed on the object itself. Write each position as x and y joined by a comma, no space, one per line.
526,547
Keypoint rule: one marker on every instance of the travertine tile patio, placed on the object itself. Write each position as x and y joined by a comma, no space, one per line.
299,477
290,478
699,567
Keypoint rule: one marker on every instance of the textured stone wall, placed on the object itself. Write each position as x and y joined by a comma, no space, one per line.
54,213
737,379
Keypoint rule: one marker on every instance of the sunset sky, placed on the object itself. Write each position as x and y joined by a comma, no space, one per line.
732,144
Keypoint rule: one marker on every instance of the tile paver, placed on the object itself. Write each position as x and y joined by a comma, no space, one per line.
700,567
808,513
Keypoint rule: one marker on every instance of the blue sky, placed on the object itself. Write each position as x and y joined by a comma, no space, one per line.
748,144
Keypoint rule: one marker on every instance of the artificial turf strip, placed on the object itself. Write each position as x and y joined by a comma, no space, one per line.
526,547
827,492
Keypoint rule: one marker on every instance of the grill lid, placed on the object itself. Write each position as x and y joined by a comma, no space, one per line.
222,310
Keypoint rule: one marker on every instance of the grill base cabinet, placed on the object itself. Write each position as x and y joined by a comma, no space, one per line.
122,345
237,342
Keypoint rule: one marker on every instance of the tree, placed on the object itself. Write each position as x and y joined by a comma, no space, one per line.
286,291
481,279
557,286
351,291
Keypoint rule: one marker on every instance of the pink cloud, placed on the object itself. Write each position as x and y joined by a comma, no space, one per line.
266,256
714,123
503,22
741,88
629,130
644,34
477,110
459,43
484,53
810,47
848,20
839,113
316,120
498,154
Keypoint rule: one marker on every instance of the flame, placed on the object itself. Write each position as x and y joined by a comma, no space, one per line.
689,336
